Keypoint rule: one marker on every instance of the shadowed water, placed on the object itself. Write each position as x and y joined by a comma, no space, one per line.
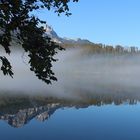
96,97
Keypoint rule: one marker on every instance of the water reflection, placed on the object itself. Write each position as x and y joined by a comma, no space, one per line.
20,110
83,82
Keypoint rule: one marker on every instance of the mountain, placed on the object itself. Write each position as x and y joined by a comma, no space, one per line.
53,35
89,46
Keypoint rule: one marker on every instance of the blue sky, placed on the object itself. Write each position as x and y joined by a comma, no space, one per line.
101,21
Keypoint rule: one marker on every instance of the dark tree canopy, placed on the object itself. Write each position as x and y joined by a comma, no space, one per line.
16,21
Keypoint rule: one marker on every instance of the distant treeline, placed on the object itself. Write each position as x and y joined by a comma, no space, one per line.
102,48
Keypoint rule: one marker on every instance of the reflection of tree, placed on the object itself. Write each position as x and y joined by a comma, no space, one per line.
82,98
105,99
19,110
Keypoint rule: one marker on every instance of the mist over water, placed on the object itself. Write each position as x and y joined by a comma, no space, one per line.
77,73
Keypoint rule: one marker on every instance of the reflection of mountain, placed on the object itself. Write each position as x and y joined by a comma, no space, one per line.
23,116
19,110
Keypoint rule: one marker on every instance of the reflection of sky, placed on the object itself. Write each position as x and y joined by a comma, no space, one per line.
99,123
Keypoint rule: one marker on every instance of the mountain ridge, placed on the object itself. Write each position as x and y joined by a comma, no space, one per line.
49,31
89,46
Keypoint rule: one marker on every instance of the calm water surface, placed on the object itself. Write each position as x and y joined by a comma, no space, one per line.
32,118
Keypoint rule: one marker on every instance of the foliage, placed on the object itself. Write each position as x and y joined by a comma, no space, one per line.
92,48
16,20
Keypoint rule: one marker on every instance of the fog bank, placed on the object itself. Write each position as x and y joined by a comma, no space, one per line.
77,73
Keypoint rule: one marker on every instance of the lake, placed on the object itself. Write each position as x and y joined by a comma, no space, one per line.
96,97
